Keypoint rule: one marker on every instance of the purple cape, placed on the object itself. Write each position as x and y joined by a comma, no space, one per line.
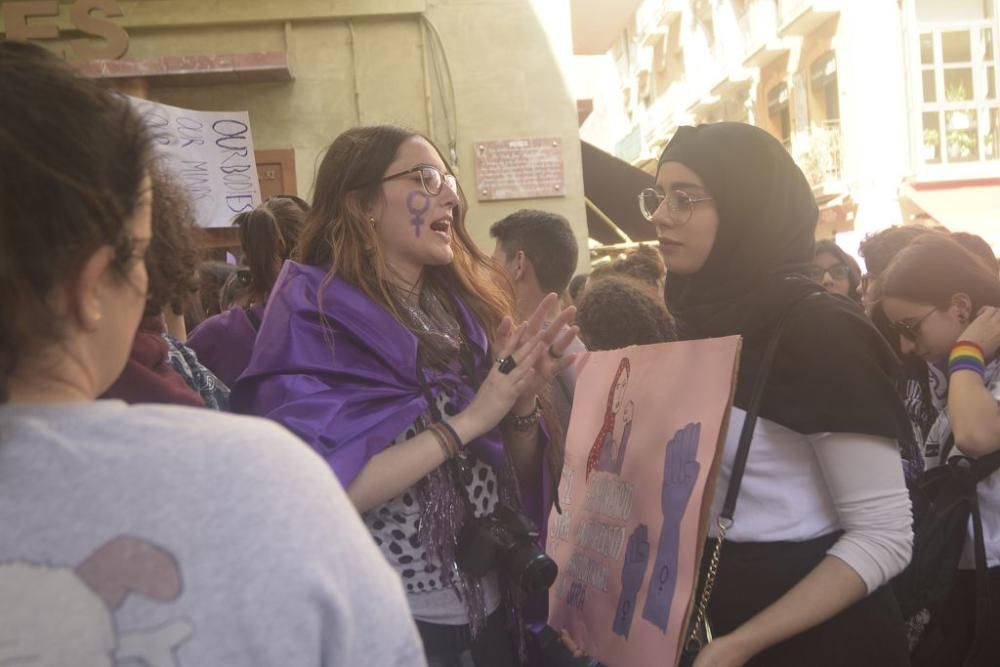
348,388
224,342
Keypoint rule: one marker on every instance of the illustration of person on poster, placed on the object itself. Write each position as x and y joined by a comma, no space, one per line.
611,443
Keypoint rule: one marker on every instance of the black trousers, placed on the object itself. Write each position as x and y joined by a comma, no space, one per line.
754,575
453,646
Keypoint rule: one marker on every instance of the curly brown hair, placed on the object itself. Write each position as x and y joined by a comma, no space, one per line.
643,264
617,311
879,248
172,262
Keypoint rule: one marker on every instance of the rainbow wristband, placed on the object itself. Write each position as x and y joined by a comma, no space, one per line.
967,356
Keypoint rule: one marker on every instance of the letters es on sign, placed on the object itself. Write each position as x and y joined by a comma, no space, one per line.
82,14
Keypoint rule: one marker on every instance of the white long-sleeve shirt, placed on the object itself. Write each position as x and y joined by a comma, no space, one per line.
799,487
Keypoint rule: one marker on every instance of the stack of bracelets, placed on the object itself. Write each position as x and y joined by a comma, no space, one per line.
967,356
446,436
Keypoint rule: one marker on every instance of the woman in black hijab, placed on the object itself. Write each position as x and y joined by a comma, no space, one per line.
823,519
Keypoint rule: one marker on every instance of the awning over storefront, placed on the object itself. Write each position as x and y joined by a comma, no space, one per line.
611,187
960,206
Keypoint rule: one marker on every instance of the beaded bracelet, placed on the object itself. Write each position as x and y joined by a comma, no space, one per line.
967,356
526,422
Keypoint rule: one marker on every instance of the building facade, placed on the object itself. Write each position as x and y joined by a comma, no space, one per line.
464,73
889,107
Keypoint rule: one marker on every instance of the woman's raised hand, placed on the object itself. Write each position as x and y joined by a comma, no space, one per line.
984,331
512,374
555,336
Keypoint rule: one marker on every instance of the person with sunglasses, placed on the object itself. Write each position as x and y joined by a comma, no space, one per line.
945,306
388,345
835,270
823,519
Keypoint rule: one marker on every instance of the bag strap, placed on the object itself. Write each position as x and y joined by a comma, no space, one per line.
700,622
253,317
985,466
982,468
979,469
753,410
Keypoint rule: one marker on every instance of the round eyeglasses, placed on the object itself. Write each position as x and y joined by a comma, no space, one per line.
680,205
430,178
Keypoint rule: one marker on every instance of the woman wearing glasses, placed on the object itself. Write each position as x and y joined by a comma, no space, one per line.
389,348
823,519
945,306
835,270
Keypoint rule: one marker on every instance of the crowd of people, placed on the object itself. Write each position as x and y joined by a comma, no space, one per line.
352,457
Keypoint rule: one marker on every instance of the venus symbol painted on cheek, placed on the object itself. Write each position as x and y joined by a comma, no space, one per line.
416,213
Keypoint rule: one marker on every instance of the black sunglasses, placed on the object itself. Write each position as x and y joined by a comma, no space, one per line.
910,331
837,272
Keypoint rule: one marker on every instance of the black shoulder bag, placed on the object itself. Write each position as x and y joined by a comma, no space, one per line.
944,500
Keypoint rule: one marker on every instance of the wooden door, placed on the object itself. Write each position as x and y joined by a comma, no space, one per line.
276,172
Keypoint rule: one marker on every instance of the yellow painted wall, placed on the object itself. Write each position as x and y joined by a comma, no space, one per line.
504,62
773,74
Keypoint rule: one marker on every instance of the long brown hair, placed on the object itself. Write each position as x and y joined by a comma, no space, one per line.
338,234
268,236
932,269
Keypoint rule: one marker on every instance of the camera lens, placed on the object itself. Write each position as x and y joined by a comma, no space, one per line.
536,571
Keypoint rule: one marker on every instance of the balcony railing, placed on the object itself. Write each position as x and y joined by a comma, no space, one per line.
818,152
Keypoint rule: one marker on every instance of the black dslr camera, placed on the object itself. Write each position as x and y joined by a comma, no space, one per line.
505,540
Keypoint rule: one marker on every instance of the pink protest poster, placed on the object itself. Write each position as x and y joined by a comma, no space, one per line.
642,452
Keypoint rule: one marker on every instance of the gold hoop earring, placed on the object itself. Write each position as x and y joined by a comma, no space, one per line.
372,221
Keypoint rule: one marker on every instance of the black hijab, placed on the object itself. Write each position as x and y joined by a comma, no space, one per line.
833,371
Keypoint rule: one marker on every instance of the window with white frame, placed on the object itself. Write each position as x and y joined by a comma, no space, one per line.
958,57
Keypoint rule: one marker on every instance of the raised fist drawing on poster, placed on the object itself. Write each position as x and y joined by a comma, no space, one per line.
633,572
680,471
